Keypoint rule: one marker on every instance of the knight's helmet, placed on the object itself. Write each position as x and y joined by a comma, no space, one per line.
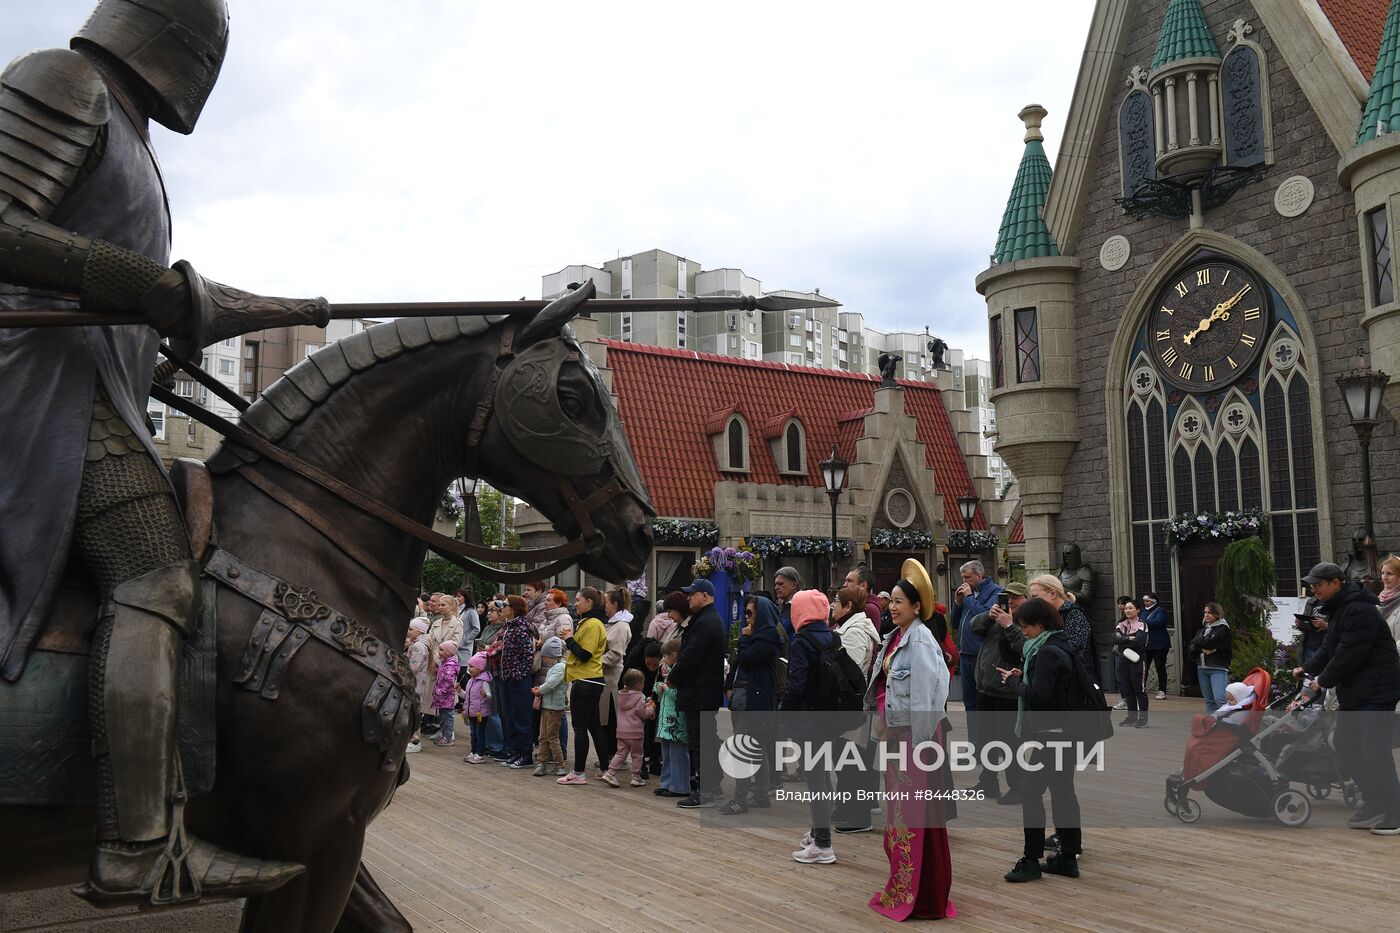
175,46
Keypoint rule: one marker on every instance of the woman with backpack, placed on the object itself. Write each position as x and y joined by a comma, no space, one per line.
1043,684
908,693
811,637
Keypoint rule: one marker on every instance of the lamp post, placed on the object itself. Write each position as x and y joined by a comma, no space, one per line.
1363,388
967,505
834,476
467,485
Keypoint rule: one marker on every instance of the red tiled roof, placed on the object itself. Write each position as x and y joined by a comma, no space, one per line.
1018,530
1359,23
668,400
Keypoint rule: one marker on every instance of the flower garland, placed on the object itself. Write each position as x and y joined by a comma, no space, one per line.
958,541
741,565
671,531
1215,526
783,544
901,539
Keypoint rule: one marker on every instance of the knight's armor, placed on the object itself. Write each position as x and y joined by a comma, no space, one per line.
1076,576
84,223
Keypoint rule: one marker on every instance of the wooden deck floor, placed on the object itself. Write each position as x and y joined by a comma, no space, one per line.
484,848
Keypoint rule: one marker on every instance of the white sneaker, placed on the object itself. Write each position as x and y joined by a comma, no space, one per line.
413,747
1121,704
814,855
808,840
1161,695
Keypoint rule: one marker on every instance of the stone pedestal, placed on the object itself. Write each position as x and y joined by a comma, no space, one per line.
55,909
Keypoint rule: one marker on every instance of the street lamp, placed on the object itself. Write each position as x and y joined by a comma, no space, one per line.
967,505
834,476
467,485
1363,388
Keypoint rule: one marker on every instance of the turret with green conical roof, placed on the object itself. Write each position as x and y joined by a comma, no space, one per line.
1185,34
1030,293
1381,114
1023,234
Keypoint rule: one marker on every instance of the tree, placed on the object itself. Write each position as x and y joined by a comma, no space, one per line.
440,575
1245,582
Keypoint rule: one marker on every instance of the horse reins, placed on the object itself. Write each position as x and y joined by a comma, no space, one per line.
465,555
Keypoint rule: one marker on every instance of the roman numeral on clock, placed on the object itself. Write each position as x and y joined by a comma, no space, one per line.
1251,314
1247,339
1185,371
1202,276
1169,357
1164,335
1210,373
1181,289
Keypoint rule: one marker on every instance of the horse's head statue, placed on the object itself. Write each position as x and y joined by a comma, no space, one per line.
553,414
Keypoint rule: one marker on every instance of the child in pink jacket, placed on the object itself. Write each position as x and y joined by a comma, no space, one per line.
633,708
477,708
445,693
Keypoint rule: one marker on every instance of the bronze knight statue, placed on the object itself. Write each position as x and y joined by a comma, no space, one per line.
84,223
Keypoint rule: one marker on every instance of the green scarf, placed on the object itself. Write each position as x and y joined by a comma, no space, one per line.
1028,651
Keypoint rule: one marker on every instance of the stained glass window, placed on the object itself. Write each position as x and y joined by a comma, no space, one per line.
1382,279
998,366
1027,346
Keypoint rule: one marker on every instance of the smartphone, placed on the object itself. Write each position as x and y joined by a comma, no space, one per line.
1004,600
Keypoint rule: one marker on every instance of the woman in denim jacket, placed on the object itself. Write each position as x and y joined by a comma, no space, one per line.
908,693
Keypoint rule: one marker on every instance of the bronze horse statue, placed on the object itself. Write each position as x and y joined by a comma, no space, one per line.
388,411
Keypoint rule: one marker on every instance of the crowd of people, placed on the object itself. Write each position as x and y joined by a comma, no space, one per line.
544,673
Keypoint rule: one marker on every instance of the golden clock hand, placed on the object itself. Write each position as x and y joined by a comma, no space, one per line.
1225,306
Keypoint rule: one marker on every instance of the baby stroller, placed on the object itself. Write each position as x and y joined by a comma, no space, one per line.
1224,760
1301,750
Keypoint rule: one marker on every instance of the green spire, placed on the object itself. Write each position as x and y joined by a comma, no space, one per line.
1023,233
1383,103
1185,34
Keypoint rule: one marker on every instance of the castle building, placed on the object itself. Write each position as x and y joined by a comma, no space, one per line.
1170,308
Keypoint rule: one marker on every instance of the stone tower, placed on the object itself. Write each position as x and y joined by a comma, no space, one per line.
1372,172
1029,290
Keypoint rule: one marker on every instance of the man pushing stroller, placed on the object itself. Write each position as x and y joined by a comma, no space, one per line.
1359,660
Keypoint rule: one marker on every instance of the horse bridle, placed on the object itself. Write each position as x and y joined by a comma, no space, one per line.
589,542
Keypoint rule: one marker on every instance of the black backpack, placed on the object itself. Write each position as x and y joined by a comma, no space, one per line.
836,683
1092,720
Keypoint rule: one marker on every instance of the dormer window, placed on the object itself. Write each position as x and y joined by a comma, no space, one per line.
794,448
736,445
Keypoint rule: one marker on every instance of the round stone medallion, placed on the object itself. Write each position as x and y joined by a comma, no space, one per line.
1144,380
1114,253
1294,196
899,508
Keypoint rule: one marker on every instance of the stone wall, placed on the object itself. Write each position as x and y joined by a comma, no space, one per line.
1318,252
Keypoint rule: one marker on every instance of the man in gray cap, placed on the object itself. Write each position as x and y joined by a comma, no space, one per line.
1360,662
786,582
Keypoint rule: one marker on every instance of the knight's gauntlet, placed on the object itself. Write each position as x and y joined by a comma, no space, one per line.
179,302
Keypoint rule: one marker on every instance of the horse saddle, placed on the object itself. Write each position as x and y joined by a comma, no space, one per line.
45,747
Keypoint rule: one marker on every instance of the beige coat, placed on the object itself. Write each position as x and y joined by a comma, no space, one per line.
860,638
445,628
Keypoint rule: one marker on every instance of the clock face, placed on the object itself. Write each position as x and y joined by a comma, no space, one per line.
1208,325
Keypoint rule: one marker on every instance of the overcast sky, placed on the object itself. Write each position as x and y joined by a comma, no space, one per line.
446,149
